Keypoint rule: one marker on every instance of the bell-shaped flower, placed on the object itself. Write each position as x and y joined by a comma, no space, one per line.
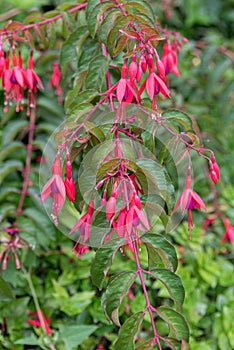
189,200
55,188
84,223
229,232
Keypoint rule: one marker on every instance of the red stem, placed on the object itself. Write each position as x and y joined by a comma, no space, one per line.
28,160
148,305
46,21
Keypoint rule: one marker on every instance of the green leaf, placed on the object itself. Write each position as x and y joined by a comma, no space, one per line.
5,291
128,332
32,340
176,322
90,6
95,77
115,292
102,262
153,171
173,284
10,148
9,166
94,130
74,335
12,130
108,23
141,7
95,16
77,303
68,54
163,248
75,99
179,117
119,24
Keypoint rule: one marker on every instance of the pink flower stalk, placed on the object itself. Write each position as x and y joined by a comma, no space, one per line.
189,200
169,59
229,232
39,315
55,188
84,223
55,82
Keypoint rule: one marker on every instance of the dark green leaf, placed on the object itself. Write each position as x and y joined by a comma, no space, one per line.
108,23
179,117
141,7
10,148
116,291
94,17
164,249
176,322
102,262
95,77
128,332
12,129
173,284
5,291
9,166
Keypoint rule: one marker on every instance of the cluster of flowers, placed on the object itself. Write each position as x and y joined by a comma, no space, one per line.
156,80
16,79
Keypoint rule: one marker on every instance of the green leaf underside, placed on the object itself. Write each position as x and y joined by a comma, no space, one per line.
5,291
179,117
128,332
115,292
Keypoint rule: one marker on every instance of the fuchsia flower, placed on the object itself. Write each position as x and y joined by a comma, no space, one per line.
125,88
11,244
2,60
39,315
84,223
154,84
55,188
189,200
169,59
229,232
55,82
214,170
69,182
80,249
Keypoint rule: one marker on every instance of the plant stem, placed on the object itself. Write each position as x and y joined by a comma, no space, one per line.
46,21
148,305
28,160
35,299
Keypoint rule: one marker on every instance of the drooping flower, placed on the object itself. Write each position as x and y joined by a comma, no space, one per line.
125,88
153,83
80,249
55,188
189,200
69,182
229,232
32,81
55,82
169,59
214,170
11,244
84,223
40,321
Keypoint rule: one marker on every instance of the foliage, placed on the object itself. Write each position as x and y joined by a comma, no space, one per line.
87,44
